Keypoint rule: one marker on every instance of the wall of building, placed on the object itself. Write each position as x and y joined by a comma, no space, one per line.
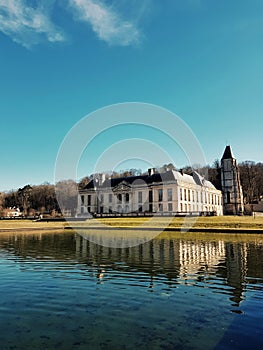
168,197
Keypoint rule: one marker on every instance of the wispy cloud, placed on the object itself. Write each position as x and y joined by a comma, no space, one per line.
106,22
29,22
27,25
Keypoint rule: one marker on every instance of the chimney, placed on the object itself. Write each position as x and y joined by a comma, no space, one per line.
102,178
99,179
151,171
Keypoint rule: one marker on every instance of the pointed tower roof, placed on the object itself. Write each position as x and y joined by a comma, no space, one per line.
228,153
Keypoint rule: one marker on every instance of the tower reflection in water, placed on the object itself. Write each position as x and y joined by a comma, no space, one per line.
181,261
179,290
226,265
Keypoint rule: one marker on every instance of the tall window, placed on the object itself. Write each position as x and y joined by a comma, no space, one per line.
119,196
110,197
150,196
140,197
181,194
89,199
101,198
228,197
169,194
127,197
170,206
160,195
82,200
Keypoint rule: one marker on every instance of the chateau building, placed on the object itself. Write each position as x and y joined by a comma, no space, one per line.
170,192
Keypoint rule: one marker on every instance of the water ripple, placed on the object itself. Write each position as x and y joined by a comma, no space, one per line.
62,292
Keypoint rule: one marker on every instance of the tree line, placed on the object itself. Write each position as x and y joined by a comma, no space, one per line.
50,199
41,199
251,178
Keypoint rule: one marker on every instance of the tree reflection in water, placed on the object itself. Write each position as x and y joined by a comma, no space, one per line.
174,261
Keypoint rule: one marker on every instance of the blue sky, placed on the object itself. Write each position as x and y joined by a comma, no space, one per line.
63,59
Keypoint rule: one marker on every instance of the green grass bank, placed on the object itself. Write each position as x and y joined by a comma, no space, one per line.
209,223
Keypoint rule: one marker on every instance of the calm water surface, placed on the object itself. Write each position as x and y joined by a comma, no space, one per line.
60,291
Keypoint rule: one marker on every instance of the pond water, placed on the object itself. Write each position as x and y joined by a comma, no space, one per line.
60,291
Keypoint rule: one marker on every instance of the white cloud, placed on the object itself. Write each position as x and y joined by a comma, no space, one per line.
106,22
28,22
27,25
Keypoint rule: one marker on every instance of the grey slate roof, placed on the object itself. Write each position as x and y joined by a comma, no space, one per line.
167,176
228,153
155,178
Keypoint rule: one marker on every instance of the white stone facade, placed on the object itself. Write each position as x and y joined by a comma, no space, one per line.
170,192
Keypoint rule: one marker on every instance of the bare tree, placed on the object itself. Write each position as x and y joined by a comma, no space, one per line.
67,195
251,176
24,196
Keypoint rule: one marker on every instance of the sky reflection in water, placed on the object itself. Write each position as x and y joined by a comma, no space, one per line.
61,291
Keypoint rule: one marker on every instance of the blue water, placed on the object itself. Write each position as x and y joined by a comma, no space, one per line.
59,291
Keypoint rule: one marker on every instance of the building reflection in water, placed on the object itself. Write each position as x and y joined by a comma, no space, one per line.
228,266
178,261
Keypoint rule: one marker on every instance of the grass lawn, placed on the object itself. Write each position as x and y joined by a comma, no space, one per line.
247,222
29,224
231,222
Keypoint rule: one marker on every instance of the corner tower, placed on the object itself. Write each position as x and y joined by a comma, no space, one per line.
231,186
